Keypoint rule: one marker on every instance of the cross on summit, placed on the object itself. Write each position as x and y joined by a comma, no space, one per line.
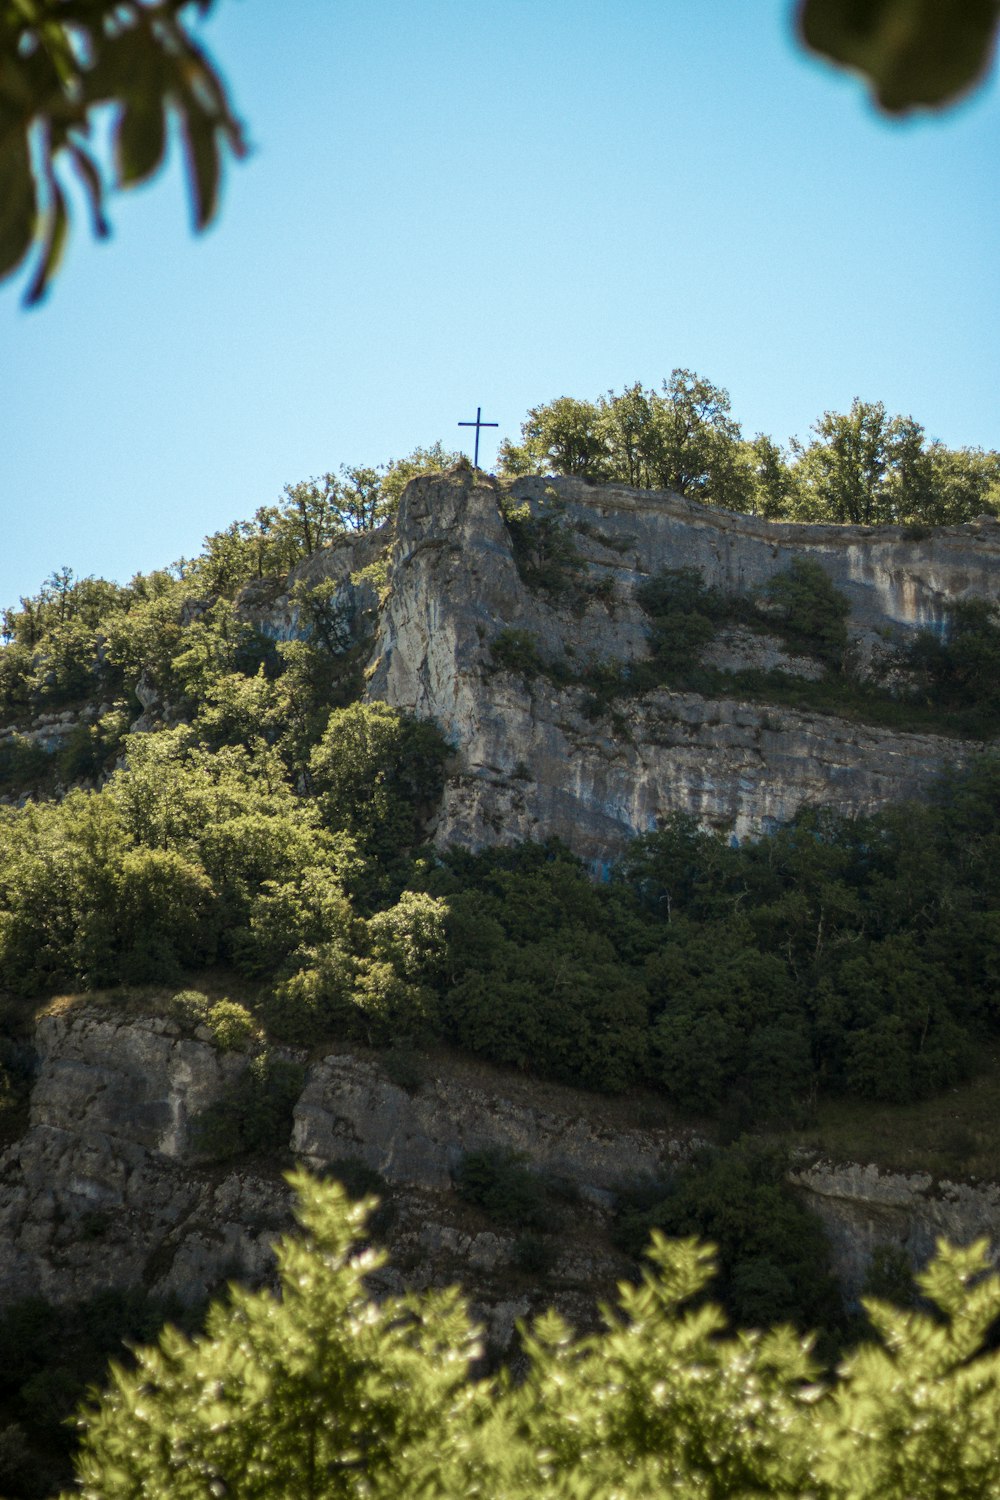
477,424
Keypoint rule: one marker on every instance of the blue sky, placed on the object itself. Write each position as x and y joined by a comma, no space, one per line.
459,204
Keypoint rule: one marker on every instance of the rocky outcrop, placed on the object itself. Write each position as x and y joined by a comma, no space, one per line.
532,759
864,1209
892,575
350,1108
101,1186
105,1186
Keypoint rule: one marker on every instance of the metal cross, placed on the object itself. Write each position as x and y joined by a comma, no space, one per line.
477,424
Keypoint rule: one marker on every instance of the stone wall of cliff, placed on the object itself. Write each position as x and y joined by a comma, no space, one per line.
531,760
105,1187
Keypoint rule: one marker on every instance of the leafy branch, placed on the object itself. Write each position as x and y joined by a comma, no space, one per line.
62,61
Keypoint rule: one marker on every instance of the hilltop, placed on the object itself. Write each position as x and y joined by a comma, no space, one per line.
501,857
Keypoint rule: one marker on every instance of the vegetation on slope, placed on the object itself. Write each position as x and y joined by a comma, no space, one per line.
940,682
273,825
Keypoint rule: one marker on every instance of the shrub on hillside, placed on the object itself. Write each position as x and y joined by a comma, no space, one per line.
232,1026
808,609
774,1260
498,1181
314,1001
255,1116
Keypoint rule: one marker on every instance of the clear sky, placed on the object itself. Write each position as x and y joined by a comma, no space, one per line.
492,202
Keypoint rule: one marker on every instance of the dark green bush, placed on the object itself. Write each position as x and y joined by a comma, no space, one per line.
681,591
773,1255
255,1118
49,1357
684,615
23,763
359,1180
890,1276
404,1067
545,553
958,669
90,747
315,1001
809,610
498,1181
378,773
189,1008
516,651
534,1255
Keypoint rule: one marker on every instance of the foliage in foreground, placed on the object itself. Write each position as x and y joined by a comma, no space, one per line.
326,1393
61,68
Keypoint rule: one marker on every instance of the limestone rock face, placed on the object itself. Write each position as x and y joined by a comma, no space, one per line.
104,1188
532,760
349,1108
863,1209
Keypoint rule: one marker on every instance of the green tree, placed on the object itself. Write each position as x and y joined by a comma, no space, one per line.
680,438
959,667
694,445
808,608
773,1253
399,471
863,468
321,1394
564,436
630,428
79,903
377,773
768,477
964,483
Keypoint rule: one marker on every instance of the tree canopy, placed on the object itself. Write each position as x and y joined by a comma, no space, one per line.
862,467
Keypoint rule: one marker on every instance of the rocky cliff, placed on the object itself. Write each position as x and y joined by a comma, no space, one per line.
532,760
106,1187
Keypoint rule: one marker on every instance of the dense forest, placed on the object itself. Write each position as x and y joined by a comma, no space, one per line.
270,825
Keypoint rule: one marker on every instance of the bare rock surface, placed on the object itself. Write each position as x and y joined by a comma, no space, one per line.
864,1209
106,1188
350,1108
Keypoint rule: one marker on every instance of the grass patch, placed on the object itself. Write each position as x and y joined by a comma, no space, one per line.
953,1135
